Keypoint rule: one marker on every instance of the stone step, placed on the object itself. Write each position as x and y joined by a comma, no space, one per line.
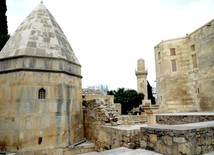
86,147
175,107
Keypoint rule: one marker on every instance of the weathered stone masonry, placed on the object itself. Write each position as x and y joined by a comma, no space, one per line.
107,129
175,140
172,119
185,71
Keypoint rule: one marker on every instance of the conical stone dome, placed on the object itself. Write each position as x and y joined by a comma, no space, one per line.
39,44
39,35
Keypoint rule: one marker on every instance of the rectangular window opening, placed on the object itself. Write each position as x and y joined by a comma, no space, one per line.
194,61
159,68
172,51
159,56
193,48
174,67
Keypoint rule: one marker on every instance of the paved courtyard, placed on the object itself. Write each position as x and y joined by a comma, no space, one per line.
123,151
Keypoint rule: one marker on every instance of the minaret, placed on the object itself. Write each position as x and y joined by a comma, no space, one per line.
141,75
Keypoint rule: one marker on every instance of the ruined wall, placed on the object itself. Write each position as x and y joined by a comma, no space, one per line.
102,126
97,112
178,140
109,98
185,72
31,123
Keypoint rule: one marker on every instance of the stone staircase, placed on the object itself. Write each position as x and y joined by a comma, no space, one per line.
174,107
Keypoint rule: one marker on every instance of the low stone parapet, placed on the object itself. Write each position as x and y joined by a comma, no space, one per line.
110,137
189,139
132,119
182,118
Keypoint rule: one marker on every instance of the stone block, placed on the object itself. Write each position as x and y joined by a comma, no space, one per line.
204,149
175,150
169,150
151,119
179,139
186,148
153,138
38,152
143,144
161,148
102,135
209,140
168,140
212,140
58,152
198,150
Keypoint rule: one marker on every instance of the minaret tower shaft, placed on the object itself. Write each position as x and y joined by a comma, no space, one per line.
141,75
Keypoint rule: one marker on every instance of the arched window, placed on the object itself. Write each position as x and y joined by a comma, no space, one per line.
41,93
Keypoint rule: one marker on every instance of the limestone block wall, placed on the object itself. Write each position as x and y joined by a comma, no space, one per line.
178,140
113,137
172,86
28,122
183,119
185,71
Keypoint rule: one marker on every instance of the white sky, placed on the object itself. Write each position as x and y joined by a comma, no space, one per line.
109,36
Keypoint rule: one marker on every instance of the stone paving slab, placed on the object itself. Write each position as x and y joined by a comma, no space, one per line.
210,153
128,127
123,151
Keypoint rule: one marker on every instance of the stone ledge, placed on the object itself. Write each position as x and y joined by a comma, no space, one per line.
190,126
39,64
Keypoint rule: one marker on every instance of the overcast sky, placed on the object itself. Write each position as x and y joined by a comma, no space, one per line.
109,36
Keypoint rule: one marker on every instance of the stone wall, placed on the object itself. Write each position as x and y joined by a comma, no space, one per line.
30,123
107,129
183,118
192,139
121,136
132,119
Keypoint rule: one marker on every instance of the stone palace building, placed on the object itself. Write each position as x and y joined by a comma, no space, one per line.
185,71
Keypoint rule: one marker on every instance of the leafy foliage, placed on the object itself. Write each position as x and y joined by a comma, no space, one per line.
3,40
150,95
3,24
128,98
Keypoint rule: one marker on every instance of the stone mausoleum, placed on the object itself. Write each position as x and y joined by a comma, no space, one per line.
40,85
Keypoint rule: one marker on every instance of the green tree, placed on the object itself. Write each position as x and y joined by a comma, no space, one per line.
128,98
150,94
3,24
